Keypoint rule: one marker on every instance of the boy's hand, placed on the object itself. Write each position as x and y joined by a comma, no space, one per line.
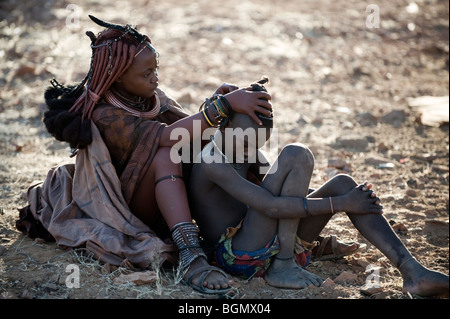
361,200
248,102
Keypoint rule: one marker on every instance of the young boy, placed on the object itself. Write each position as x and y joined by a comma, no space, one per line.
254,228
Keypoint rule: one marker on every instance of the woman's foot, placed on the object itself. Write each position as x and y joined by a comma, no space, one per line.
214,281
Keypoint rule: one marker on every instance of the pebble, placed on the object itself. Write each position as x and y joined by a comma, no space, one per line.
400,228
38,240
185,98
345,276
25,69
423,158
352,143
26,295
369,290
436,226
376,160
328,283
49,287
411,193
363,262
337,163
138,278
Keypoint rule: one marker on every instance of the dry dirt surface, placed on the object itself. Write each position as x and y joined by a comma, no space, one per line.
346,90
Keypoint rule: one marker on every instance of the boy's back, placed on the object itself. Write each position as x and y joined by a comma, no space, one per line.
219,208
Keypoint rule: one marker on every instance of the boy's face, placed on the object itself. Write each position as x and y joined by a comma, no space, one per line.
141,78
242,138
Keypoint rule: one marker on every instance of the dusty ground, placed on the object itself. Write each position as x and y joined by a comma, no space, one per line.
338,86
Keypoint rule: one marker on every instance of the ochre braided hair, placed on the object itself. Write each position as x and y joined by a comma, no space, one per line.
70,107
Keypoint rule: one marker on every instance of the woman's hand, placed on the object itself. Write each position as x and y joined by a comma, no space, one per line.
248,102
226,88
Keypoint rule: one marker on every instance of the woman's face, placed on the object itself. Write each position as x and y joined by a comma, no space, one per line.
141,78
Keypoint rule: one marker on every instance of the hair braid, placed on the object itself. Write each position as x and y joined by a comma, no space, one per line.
70,108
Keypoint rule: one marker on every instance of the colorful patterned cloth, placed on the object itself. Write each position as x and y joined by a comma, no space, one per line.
248,264
245,264
303,251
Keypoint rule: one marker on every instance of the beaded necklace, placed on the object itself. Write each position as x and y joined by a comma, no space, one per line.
236,166
136,108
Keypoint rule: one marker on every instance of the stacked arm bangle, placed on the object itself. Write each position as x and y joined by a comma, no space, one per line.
215,110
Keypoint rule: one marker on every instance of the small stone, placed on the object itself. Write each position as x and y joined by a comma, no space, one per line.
352,143
185,98
49,287
441,169
339,163
411,193
382,147
24,70
363,262
376,160
26,295
345,276
400,228
39,240
138,278
328,283
370,290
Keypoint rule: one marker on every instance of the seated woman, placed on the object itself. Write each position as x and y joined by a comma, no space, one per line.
119,124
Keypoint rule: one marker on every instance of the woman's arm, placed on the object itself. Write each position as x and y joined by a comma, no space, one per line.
241,101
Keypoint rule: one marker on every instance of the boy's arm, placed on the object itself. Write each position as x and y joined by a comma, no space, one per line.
224,176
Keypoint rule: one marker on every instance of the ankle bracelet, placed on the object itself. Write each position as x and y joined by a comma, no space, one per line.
406,261
283,258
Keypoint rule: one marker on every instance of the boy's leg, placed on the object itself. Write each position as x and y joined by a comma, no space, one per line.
373,227
291,178
376,229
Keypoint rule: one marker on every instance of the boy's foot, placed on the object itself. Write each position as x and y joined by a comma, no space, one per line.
206,278
287,274
424,282
331,248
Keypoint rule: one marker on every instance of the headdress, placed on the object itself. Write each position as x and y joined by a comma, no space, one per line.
70,107
111,56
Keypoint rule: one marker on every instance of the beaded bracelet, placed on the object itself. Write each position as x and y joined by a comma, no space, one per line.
219,108
214,111
207,119
226,105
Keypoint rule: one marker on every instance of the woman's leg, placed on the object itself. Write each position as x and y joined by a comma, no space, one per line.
169,197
